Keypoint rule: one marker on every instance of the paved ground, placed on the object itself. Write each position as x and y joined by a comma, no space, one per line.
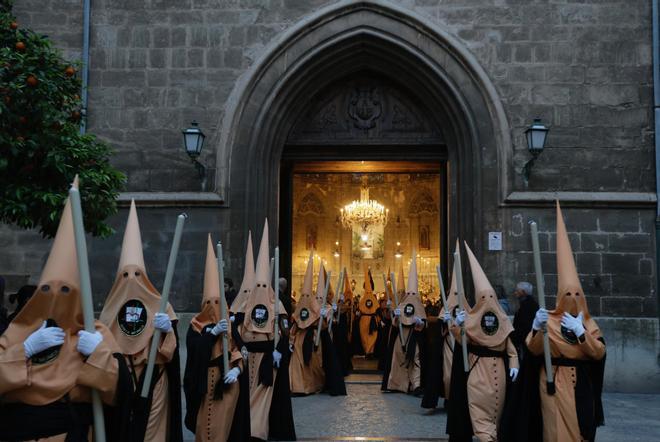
367,414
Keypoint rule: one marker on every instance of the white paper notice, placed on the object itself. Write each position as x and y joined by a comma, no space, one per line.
494,240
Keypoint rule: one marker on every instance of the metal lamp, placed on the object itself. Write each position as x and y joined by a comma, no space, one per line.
193,142
536,135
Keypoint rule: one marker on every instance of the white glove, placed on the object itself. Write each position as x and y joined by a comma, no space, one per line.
397,312
277,357
43,338
513,373
221,327
334,307
446,317
460,317
418,321
87,342
389,303
232,318
324,311
290,347
232,375
357,313
573,324
162,322
341,298
540,319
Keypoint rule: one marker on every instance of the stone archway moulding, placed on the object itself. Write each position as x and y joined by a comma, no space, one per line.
263,102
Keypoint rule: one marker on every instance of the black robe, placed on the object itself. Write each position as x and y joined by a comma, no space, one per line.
134,414
27,422
522,420
434,387
334,375
382,341
522,323
341,344
195,384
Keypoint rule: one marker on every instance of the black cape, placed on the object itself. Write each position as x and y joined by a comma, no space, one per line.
522,420
334,375
195,385
436,345
28,422
131,413
382,341
341,344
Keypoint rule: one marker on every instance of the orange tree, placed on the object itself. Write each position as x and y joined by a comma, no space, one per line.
41,147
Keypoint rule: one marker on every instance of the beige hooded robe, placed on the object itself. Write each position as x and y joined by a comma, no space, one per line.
560,421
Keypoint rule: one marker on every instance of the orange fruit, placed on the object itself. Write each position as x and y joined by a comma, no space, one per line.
70,71
20,46
13,25
32,81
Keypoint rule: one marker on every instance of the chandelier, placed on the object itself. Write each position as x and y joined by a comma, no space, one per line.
364,212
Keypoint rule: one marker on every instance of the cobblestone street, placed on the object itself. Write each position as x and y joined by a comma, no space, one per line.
368,413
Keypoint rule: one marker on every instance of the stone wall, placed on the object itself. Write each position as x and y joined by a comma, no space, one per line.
584,67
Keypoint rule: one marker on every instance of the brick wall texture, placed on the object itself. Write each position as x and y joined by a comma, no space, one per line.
583,66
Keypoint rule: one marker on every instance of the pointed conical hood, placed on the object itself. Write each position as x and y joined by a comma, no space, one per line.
320,285
308,282
452,295
259,305
568,282
131,248
482,287
262,273
55,371
487,324
211,277
62,263
412,287
248,282
368,302
348,290
210,312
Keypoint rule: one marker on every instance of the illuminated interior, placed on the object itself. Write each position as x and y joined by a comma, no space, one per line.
412,198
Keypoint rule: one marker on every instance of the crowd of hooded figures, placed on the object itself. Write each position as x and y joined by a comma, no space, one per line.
245,361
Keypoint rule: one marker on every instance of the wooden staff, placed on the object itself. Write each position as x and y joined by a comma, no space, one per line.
443,296
325,300
86,299
272,265
550,384
461,305
396,301
223,308
174,251
276,308
339,284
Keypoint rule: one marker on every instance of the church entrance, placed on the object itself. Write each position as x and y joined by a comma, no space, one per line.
408,200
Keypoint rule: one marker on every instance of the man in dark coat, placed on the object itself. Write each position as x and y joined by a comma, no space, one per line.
522,321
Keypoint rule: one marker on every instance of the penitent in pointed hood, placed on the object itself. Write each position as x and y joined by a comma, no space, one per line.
259,305
452,294
307,309
55,371
210,311
238,306
368,301
487,324
133,300
411,304
570,296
